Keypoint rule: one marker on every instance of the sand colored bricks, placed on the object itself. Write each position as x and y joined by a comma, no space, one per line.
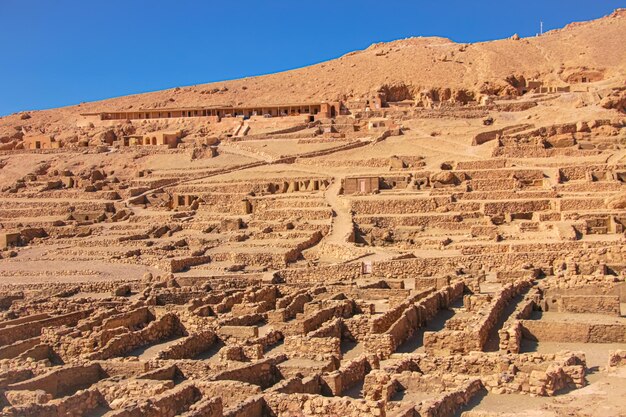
404,242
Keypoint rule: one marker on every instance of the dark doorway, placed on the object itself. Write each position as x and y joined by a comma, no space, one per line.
333,112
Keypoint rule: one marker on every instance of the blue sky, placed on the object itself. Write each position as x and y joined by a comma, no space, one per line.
62,52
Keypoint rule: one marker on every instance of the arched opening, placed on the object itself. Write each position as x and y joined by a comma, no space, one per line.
154,141
333,111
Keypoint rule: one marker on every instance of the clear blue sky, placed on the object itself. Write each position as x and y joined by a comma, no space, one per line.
62,52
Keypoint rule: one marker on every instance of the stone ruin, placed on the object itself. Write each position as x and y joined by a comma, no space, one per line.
406,253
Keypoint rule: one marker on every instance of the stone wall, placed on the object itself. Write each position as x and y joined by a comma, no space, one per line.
263,373
530,373
298,385
412,318
449,403
381,323
77,405
350,374
12,334
599,304
62,382
306,405
511,332
573,332
314,348
326,274
159,330
475,330
190,346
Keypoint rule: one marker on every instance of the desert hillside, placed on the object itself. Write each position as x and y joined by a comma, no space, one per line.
407,69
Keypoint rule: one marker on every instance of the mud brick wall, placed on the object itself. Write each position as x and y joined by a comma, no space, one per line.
7,299
397,205
190,346
231,392
12,334
380,385
121,395
238,332
539,255
263,373
269,293
179,265
538,374
272,260
340,272
307,405
383,345
601,304
381,323
312,321
485,164
242,321
380,293
123,368
511,332
479,196
332,328
270,339
485,137
131,320
538,151
590,187
449,403
308,214
412,318
176,296
78,404
518,173
228,302
251,407
284,300
429,220
14,349
356,328
579,172
494,184
541,330
172,402
521,206
575,204
296,306
167,326
62,382
26,319
350,374
297,385
476,332
209,407
315,348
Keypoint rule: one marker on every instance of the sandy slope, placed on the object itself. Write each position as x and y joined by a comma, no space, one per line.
417,63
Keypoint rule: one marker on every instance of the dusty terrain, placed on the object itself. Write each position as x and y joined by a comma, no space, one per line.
448,240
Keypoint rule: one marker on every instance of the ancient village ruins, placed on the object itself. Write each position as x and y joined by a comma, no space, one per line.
319,243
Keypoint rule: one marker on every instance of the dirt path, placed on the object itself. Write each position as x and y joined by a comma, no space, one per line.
342,217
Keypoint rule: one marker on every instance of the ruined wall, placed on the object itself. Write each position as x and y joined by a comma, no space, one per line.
314,405
190,346
475,330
